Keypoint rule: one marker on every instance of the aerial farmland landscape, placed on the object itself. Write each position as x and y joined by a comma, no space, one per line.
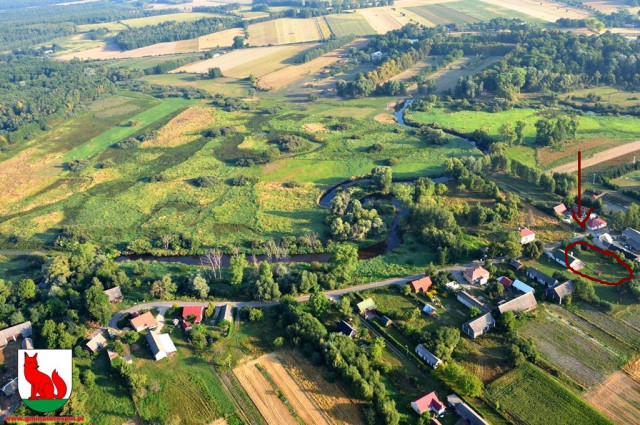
309,212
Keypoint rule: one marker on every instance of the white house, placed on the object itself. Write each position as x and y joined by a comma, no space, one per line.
596,224
527,235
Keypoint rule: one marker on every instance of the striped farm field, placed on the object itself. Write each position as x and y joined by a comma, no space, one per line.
347,24
541,9
441,14
323,27
219,39
284,31
486,12
381,19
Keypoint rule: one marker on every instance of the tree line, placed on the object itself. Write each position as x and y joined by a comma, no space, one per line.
327,47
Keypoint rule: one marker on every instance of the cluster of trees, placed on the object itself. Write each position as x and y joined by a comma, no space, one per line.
334,5
351,221
291,143
332,44
34,90
358,368
133,38
554,133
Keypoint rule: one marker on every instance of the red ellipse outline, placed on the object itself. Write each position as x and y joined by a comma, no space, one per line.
607,253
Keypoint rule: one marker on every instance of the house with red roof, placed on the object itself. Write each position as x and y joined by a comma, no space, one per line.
477,275
427,403
144,321
596,224
193,310
420,285
506,282
527,235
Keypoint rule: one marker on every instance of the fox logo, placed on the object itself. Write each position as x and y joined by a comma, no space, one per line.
44,380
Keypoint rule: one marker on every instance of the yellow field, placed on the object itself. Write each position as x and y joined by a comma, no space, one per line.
292,73
545,10
219,39
383,20
258,61
284,31
323,27
184,127
177,17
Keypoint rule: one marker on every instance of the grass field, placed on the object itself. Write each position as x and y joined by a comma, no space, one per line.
383,20
150,62
486,12
606,95
158,19
525,394
225,86
545,10
284,31
346,24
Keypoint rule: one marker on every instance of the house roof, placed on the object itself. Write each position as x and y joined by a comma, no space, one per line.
563,289
114,294
346,328
465,296
522,287
428,308
524,232
97,340
505,281
632,237
465,411
385,320
541,277
428,401
422,284
23,329
225,313
145,319
160,343
427,355
524,302
478,324
193,310
560,209
596,222
365,305
476,272
111,354
515,264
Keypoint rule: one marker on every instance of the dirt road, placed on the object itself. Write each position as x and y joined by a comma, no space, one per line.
599,157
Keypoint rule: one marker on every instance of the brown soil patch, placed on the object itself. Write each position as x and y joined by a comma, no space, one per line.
385,118
381,20
633,368
314,127
599,157
261,393
181,129
618,398
329,396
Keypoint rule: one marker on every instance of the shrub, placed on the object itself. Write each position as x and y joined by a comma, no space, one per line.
77,165
206,181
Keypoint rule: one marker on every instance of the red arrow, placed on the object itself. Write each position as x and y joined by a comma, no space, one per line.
581,222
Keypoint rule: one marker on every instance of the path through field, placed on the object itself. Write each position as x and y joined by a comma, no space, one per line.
599,157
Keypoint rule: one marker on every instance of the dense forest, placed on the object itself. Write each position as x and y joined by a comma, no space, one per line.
134,38
33,89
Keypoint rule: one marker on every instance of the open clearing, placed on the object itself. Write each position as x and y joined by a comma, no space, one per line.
448,77
545,10
266,400
284,31
292,73
618,398
599,157
382,20
240,63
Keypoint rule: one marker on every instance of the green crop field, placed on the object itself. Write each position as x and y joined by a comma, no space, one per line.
486,12
346,24
530,396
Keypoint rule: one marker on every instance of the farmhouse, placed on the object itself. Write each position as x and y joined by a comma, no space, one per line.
505,281
161,345
470,301
479,325
428,402
429,309
144,321
366,305
193,310
114,294
477,275
525,302
541,278
346,328
10,387
522,287
559,256
632,239
226,314
97,341
561,291
596,224
560,209
464,411
527,235
14,332
421,285
427,356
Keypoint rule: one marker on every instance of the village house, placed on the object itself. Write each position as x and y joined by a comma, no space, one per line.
225,313
631,238
23,330
541,277
427,356
470,301
479,325
114,294
428,402
558,255
522,287
144,321
560,209
561,291
193,310
463,410
97,341
596,224
527,235
112,355
386,322
345,328
366,305
421,285
477,275
525,302
376,55
160,345
505,281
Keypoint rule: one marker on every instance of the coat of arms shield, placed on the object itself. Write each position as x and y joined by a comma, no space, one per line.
44,378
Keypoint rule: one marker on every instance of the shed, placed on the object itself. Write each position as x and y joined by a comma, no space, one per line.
161,345
505,281
522,287
97,341
541,277
524,302
366,305
429,309
225,313
561,291
427,356
464,411
114,294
